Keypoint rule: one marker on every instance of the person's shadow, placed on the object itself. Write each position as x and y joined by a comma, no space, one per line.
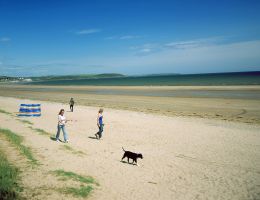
54,138
92,137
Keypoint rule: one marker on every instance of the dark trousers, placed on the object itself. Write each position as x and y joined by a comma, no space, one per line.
71,108
100,131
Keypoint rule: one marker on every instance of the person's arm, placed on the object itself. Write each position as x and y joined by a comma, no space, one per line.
59,119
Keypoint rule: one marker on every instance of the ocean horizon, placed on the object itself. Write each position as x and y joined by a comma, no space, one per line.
209,79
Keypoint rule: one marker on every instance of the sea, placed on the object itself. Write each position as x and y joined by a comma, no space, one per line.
212,79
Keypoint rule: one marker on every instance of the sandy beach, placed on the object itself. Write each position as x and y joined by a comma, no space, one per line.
179,84
184,157
229,103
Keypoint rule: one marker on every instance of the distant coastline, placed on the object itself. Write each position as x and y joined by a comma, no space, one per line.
112,79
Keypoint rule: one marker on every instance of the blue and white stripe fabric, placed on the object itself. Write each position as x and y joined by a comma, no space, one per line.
30,110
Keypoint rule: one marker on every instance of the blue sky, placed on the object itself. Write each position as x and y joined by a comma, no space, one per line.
130,37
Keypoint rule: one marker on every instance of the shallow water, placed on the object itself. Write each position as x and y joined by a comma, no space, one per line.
238,78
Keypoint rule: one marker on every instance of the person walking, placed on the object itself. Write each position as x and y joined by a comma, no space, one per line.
71,104
100,124
61,126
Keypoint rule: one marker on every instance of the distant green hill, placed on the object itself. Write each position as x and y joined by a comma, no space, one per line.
11,79
77,77
4,79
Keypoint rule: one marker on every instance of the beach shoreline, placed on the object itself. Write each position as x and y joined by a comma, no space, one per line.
187,101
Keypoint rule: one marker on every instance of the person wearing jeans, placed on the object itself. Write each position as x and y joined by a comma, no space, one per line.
61,126
100,124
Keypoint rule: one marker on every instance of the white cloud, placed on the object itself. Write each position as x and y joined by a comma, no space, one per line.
51,67
5,39
129,37
151,48
194,43
206,56
224,57
123,37
87,31
146,49
147,45
111,38
238,56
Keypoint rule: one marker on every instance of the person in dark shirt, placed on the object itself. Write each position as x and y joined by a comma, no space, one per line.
71,104
100,124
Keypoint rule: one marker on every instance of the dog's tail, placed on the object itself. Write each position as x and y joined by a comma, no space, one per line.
123,148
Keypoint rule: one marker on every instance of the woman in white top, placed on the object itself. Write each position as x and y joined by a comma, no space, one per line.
61,126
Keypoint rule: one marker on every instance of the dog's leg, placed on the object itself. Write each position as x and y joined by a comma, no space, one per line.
128,159
123,157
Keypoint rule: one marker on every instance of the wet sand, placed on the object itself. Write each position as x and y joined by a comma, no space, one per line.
231,103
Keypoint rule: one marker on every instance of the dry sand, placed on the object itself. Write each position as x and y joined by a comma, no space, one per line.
184,158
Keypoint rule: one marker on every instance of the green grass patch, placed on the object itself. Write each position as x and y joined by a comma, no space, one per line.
5,112
86,183
67,147
70,149
66,175
9,187
40,131
17,140
83,191
25,121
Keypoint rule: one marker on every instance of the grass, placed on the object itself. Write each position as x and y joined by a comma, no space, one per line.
69,148
21,120
17,140
85,181
9,188
83,191
25,121
40,131
5,112
66,175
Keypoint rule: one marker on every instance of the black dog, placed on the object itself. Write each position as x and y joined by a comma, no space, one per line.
131,155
